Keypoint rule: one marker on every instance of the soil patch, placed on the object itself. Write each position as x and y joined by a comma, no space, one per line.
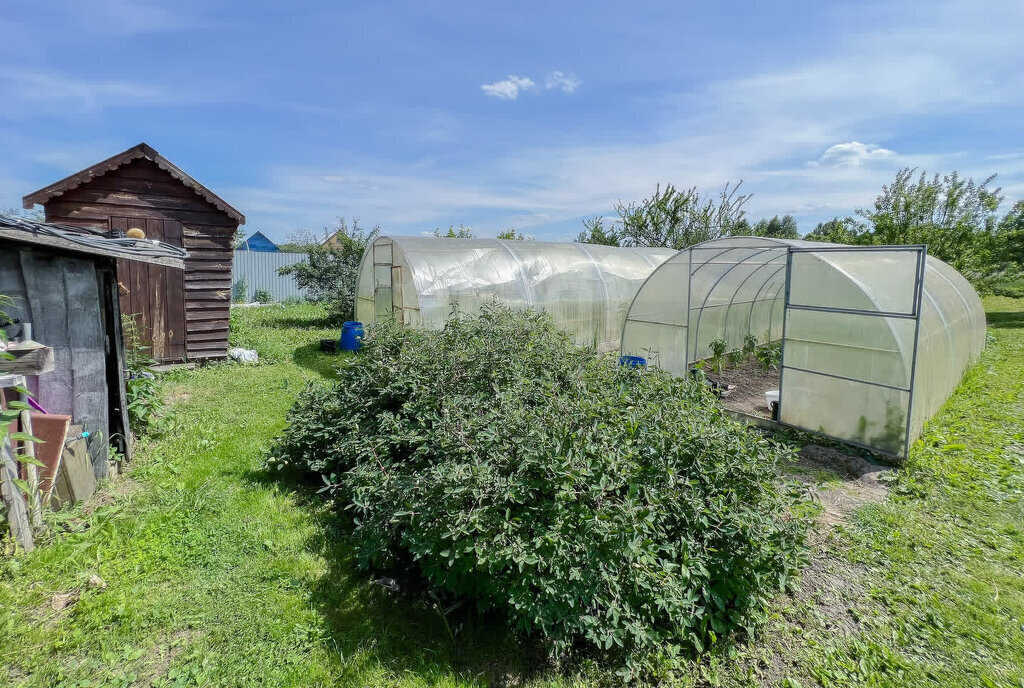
751,382
839,480
111,493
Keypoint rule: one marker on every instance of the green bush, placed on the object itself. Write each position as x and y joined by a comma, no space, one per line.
596,506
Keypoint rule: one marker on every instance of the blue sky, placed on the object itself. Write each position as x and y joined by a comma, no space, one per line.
530,115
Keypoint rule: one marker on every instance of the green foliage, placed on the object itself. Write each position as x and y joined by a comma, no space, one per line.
594,232
671,217
513,235
718,348
769,356
262,295
952,214
749,344
329,272
593,505
240,290
146,411
838,231
460,233
784,228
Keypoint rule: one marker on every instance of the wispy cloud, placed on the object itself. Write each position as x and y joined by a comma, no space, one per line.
562,82
36,89
508,89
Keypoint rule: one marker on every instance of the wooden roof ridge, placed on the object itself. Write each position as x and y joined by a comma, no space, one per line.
141,150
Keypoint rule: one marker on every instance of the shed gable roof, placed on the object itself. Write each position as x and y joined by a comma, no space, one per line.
141,151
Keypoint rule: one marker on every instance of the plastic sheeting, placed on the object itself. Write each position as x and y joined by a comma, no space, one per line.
874,339
586,288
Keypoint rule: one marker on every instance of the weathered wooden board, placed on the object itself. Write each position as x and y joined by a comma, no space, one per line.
13,498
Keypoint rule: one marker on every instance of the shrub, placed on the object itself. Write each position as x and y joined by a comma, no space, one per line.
596,506
262,295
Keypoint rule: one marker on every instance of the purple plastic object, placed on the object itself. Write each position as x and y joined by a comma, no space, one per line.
32,402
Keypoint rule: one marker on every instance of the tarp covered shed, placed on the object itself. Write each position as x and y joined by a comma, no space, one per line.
874,338
586,288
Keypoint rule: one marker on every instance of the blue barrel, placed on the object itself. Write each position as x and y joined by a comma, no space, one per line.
351,336
632,361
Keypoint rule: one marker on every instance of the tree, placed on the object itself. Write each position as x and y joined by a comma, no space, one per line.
678,219
838,231
1009,238
330,271
301,240
512,235
452,233
595,233
955,216
670,217
786,228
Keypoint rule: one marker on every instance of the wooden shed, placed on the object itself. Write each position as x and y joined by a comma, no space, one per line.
62,282
184,315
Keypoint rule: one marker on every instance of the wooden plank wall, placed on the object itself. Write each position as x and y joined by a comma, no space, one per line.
140,189
60,295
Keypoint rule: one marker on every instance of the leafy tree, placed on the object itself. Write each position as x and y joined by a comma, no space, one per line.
512,235
775,228
677,219
954,215
594,232
672,218
452,233
1009,238
330,271
838,231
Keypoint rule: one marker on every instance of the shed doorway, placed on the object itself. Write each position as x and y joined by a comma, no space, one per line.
151,294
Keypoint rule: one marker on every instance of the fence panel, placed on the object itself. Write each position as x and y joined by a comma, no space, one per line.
260,272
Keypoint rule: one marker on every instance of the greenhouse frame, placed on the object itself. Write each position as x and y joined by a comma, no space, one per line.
873,339
586,288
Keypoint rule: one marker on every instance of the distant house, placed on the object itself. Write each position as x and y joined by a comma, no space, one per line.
258,242
184,314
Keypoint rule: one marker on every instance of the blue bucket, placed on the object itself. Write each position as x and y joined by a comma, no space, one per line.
632,361
351,336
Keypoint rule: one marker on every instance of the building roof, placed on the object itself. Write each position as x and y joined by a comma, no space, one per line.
258,241
77,240
141,151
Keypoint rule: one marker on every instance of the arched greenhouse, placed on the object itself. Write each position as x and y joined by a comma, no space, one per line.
873,339
586,288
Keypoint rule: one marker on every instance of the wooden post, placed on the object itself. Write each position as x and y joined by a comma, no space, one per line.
17,514
35,500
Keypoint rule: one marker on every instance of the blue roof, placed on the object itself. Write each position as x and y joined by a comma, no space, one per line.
258,242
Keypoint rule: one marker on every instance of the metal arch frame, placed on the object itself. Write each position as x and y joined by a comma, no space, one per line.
700,314
922,251
527,290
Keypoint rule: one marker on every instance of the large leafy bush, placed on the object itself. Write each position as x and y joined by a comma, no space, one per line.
593,505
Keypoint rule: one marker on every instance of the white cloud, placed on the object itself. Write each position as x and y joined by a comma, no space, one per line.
561,81
853,154
508,89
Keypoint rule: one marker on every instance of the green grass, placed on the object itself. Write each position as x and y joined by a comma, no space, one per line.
219,575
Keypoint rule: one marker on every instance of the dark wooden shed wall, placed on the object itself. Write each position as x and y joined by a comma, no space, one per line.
141,190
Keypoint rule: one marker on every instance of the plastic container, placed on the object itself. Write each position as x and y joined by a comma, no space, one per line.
351,336
771,397
632,361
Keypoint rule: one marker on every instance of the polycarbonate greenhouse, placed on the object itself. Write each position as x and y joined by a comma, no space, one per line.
586,288
873,339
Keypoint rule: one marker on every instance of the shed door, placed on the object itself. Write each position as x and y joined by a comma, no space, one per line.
849,342
153,294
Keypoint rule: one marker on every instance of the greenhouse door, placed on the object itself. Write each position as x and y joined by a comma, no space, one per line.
849,343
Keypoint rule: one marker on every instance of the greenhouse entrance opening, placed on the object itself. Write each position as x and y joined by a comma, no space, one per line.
836,334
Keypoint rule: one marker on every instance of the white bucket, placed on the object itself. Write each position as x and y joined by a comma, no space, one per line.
771,397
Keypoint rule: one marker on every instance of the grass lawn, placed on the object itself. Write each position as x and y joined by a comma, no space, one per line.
216,574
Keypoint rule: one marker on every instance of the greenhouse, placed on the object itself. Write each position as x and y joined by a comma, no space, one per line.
586,288
871,340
